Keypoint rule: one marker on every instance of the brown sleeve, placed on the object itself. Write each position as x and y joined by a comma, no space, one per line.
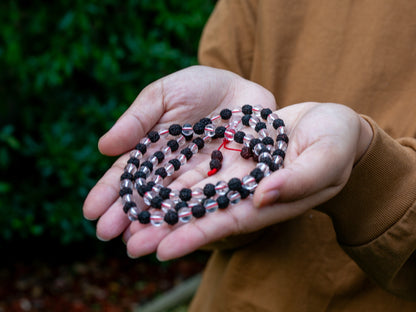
227,41
374,216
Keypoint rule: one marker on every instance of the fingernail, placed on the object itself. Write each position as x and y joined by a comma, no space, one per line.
102,239
268,198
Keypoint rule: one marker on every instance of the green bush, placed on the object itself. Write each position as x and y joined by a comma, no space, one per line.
68,70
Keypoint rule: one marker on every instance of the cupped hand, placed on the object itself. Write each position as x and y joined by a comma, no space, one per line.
325,142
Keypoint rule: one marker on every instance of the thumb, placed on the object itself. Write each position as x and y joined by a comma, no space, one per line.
141,116
314,172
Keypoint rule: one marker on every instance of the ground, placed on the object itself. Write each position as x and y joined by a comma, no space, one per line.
82,281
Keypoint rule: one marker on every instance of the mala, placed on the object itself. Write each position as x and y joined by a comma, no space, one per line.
163,204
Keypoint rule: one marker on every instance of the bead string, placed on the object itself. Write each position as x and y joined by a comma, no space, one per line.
170,206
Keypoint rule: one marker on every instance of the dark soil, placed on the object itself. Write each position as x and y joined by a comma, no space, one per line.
43,277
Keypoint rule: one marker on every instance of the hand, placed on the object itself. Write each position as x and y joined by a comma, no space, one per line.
325,141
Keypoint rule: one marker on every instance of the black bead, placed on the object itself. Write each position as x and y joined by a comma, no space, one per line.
156,202
247,109
260,125
199,142
216,154
151,184
245,120
126,176
162,172
128,205
244,193
134,161
282,137
175,129
180,205
257,174
278,123
144,217
176,163
280,153
199,128
185,194
223,202
234,184
187,152
171,217
246,152
142,148
273,167
206,121
215,164
188,137
265,160
173,144
226,114
265,112
153,136
268,141
254,142
239,137
164,192
209,190
219,132
147,164
198,211
160,156
139,174
124,191
142,189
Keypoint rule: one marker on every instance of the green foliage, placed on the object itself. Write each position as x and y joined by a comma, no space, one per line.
68,70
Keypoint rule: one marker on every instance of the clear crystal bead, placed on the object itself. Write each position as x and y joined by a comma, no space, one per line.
169,169
258,148
156,218
185,214
249,183
253,121
281,130
278,160
229,134
146,141
148,196
136,154
207,139
140,182
257,110
282,145
264,168
272,117
145,170
130,168
167,204
133,213
234,197
174,196
193,147
181,140
157,179
263,133
126,183
153,159
221,187
198,193
187,129
163,133
210,205
247,138
156,188
216,120
209,130
182,159
167,151
127,198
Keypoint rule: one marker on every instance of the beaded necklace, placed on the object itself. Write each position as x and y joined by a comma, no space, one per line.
163,204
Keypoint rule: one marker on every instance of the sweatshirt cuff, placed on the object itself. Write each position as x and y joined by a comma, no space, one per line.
379,192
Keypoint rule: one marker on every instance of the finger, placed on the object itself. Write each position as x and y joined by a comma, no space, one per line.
142,115
105,192
112,223
146,240
318,167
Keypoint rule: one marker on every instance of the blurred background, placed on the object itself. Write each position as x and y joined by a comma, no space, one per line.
68,69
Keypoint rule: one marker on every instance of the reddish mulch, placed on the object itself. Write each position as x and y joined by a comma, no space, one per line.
89,283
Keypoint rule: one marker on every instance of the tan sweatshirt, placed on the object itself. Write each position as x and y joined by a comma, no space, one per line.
357,251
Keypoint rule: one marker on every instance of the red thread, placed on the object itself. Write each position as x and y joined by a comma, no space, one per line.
212,172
